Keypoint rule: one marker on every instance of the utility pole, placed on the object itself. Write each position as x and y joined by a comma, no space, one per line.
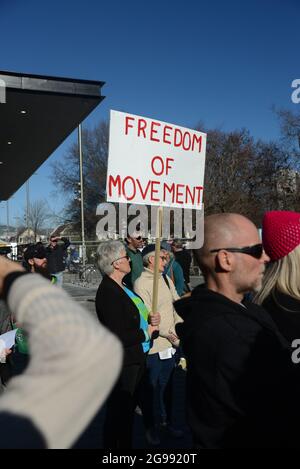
7,220
27,208
81,199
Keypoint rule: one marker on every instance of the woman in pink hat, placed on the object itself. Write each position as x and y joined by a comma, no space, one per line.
280,294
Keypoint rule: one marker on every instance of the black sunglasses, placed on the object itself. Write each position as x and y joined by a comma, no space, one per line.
254,251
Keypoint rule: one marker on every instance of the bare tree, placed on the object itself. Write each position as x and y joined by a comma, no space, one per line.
66,175
245,176
290,130
241,175
226,171
38,214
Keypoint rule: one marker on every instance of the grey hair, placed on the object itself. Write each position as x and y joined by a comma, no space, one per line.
108,252
146,258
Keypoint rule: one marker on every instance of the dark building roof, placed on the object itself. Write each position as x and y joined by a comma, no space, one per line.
39,112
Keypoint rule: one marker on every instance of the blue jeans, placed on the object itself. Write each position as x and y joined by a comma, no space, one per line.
157,376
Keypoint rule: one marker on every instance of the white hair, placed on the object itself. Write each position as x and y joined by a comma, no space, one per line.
107,253
146,258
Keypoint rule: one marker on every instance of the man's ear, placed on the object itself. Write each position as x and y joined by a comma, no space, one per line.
30,261
225,260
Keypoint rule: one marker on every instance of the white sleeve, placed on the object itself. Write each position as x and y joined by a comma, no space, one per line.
74,362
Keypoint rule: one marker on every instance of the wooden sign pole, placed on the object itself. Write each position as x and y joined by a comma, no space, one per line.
156,260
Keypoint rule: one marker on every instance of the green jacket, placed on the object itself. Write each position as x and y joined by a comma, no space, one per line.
136,267
21,340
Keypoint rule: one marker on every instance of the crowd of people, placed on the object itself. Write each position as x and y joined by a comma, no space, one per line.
236,331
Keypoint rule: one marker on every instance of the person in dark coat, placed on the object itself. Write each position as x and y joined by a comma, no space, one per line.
134,244
280,294
56,253
125,314
242,386
184,259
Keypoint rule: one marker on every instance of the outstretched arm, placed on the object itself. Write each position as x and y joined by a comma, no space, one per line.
74,361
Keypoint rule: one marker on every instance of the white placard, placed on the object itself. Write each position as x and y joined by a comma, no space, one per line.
7,339
154,163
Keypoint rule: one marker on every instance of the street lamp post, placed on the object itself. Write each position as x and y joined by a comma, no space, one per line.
0,216
81,198
7,220
27,207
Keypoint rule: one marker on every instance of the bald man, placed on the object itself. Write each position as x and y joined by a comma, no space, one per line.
240,378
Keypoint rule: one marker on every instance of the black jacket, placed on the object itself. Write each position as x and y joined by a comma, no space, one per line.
242,386
21,432
184,259
55,256
120,315
285,312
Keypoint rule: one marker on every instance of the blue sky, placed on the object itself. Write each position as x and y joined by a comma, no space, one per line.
223,63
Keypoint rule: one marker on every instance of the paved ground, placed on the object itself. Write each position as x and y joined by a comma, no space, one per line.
92,437
86,295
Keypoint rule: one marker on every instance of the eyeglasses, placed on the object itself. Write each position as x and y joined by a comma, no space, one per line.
119,258
254,251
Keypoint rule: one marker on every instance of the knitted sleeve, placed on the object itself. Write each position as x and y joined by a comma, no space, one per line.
74,362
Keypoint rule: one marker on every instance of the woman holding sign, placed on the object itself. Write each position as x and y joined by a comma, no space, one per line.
161,358
125,314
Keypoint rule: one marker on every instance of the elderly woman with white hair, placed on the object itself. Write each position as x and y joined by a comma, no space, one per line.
125,314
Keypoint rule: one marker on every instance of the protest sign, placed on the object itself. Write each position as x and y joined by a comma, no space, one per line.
154,163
